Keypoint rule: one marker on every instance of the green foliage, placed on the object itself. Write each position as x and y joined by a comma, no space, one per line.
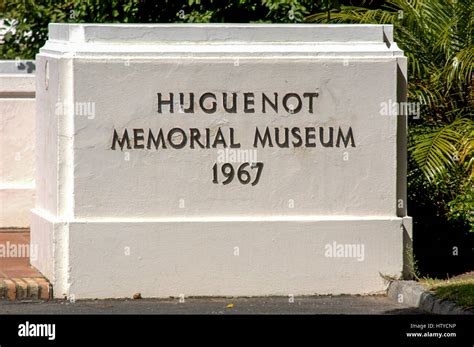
439,151
29,19
437,38
460,208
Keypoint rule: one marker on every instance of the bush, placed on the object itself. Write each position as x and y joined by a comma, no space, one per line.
29,19
437,38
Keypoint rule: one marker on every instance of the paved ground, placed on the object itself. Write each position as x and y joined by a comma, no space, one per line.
14,256
268,305
18,279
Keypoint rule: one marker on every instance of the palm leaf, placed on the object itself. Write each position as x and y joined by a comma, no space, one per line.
442,148
433,150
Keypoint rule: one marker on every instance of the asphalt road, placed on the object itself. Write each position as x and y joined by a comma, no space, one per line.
346,304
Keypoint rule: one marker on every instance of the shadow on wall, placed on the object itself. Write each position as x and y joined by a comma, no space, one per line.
29,66
17,66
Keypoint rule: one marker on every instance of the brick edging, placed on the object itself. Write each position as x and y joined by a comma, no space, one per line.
413,294
25,288
14,230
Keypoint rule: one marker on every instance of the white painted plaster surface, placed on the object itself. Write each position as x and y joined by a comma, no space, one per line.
17,139
116,222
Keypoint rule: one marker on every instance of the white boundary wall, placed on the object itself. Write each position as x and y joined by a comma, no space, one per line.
17,140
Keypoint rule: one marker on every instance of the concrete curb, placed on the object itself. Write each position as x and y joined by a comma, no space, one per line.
413,294
25,289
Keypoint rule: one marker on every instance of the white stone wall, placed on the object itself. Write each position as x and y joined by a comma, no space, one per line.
114,222
17,143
